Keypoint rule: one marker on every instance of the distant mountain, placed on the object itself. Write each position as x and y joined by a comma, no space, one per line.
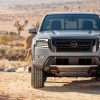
32,2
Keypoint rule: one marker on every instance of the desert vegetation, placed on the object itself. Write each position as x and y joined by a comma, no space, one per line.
11,45
19,26
14,26
15,53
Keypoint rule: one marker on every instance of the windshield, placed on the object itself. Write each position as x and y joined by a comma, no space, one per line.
71,22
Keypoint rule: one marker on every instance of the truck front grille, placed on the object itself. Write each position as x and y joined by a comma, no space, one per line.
73,45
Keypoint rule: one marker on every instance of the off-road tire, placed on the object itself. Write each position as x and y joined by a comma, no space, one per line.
37,77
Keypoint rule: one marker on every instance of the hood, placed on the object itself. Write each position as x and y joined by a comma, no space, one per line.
72,33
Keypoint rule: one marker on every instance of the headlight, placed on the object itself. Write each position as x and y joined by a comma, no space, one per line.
42,42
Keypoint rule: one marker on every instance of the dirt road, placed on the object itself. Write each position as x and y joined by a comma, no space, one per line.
16,86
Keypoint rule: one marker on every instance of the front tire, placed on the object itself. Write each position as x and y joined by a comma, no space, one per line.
37,77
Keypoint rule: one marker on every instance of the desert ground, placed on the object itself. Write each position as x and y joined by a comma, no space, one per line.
9,14
16,86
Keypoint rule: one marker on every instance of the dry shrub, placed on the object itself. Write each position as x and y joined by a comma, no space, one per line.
12,53
10,38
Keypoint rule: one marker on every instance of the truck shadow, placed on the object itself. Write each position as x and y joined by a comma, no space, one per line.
82,86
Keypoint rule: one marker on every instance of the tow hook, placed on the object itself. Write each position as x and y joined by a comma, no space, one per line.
53,71
92,71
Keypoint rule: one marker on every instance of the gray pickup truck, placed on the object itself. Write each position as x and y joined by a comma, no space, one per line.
66,45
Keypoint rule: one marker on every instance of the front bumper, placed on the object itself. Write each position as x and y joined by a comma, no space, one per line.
75,70
43,56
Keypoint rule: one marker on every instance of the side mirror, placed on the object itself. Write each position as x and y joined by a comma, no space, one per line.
32,30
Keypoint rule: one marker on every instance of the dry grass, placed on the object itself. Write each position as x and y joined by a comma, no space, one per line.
4,39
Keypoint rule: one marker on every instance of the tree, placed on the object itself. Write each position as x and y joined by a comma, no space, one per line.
20,27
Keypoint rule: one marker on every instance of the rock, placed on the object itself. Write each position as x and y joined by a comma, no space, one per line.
24,69
20,70
1,69
9,69
28,69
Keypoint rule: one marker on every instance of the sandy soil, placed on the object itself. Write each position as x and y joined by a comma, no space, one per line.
4,63
16,86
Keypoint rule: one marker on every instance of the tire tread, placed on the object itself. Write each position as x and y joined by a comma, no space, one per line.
37,77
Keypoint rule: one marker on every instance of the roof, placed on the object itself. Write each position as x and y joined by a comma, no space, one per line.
71,13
